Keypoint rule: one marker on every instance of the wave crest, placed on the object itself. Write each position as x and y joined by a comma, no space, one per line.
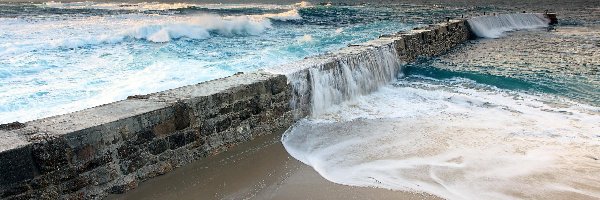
201,28
157,6
195,28
284,16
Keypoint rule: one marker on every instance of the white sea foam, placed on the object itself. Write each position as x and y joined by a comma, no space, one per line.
284,16
142,6
145,6
303,4
100,30
160,75
197,27
200,28
305,39
358,71
496,26
456,140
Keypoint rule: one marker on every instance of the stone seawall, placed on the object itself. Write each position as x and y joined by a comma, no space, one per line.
111,148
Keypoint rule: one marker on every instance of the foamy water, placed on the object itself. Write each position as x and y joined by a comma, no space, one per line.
63,57
456,139
495,26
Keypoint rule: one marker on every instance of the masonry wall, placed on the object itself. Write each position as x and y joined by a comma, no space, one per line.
113,147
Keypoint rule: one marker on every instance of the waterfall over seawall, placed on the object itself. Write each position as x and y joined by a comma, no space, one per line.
355,76
495,26
355,72
179,126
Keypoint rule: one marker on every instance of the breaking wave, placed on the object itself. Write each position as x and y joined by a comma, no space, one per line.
143,6
157,6
496,26
285,16
202,27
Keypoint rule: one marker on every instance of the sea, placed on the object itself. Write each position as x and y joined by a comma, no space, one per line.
512,114
57,58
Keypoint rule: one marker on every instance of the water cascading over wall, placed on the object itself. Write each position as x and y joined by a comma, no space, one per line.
113,147
361,69
495,26
322,82
350,73
356,75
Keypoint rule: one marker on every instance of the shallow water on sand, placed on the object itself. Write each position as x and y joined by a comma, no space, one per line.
456,139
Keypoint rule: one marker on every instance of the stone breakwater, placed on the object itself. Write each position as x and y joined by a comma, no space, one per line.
112,148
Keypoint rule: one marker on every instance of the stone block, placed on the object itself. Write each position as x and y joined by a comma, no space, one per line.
178,119
52,155
158,146
101,175
124,185
182,138
97,161
16,165
127,150
134,163
74,185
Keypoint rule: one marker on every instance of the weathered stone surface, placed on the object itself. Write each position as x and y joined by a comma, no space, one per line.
52,155
16,165
12,126
124,185
97,161
183,138
158,146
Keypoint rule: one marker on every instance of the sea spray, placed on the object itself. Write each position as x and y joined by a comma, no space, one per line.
495,26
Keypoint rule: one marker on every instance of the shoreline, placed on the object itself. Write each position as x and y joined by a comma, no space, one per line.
257,169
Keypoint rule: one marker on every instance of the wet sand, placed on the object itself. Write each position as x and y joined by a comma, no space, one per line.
260,169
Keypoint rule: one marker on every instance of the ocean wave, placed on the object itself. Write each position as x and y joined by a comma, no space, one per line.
143,6
201,27
155,6
284,16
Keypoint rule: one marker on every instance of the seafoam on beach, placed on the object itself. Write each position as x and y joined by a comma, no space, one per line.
455,139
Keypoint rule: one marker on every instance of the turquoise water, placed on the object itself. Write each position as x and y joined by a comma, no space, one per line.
57,58
581,85
501,118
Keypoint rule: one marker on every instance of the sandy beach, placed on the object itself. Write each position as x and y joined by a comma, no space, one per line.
260,169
